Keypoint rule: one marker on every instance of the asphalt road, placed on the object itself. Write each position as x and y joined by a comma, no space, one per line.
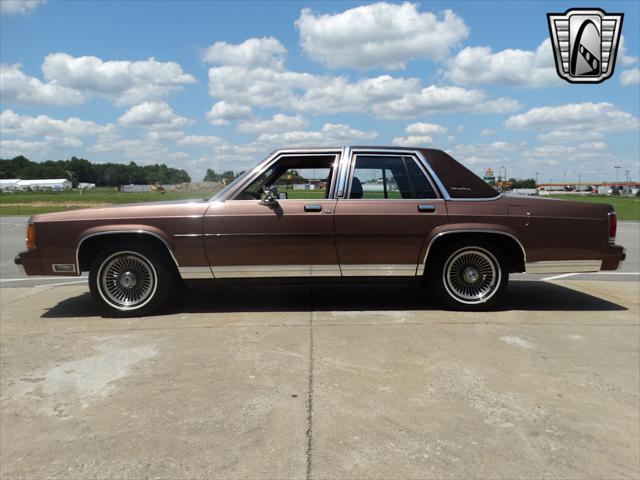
12,232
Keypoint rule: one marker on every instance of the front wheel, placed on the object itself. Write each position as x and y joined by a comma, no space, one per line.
468,277
130,280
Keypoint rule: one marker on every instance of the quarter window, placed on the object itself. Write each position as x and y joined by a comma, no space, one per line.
391,177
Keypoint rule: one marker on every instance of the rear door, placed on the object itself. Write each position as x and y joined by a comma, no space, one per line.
388,207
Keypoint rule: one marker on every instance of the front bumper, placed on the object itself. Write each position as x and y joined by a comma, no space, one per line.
28,262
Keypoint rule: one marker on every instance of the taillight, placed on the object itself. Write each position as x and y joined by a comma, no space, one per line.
31,236
613,226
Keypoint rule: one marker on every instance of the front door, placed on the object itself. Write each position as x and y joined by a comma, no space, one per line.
388,210
291,236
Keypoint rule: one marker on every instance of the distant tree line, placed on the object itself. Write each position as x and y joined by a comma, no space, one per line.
522,182
102,174
224,177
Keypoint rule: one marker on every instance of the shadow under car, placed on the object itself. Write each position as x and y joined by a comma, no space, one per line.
221,296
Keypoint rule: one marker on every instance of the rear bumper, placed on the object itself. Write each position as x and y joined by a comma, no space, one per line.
613,257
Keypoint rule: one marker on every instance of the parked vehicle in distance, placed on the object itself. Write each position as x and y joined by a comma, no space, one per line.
328,212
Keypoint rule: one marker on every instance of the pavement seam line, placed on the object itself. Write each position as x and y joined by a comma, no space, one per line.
310,389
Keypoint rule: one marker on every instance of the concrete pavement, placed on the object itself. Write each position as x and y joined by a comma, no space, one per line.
323,381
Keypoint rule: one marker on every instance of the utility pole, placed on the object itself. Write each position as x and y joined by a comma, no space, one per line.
617,167
537,178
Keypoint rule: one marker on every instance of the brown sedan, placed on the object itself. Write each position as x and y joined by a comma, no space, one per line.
328,212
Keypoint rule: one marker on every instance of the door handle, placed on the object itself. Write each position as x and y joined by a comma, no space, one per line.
426,208
313,208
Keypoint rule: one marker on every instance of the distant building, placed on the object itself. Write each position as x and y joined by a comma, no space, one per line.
45,184
85,185
9,184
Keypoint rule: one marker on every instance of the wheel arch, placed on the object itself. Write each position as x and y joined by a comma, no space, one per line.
508,242
89,243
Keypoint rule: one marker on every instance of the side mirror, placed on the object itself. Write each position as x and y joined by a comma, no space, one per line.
269,195
283,195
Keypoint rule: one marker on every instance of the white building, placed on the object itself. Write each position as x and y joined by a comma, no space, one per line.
8,184
45,184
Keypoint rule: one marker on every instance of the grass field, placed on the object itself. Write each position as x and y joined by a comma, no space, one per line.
31,203
627,208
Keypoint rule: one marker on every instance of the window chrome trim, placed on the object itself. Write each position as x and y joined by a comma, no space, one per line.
262,166
414,154
421,266
115,232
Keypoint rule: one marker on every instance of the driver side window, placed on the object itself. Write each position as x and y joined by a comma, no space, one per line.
296,178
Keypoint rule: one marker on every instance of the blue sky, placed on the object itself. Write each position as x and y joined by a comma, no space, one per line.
218,85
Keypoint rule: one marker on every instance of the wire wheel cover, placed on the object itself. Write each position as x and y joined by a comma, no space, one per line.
472,275
127,280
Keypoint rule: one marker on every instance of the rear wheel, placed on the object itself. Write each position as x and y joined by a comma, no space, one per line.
468,276
131,280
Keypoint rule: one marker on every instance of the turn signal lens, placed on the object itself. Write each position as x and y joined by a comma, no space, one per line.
613,226
31,236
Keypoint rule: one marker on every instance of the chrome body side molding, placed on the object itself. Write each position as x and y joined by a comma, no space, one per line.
193,273
258,271
564,266
421,266
375,270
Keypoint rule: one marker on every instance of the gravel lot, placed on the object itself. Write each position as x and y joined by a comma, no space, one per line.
330,380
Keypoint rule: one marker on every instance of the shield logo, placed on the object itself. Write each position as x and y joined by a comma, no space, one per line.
585,43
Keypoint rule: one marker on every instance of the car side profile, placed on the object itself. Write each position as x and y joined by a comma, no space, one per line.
328,212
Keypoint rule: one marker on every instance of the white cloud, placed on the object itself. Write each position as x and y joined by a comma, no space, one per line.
143,149
484,154
630,77
24,125
379,35
565,151
11,7
201,141
16,87
152,115
487,132
422,128
278,123
329,134
123,82
419,134
434,99
223,112
253,52
412,141
511,67
13,148
623,57
584,117
384,96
